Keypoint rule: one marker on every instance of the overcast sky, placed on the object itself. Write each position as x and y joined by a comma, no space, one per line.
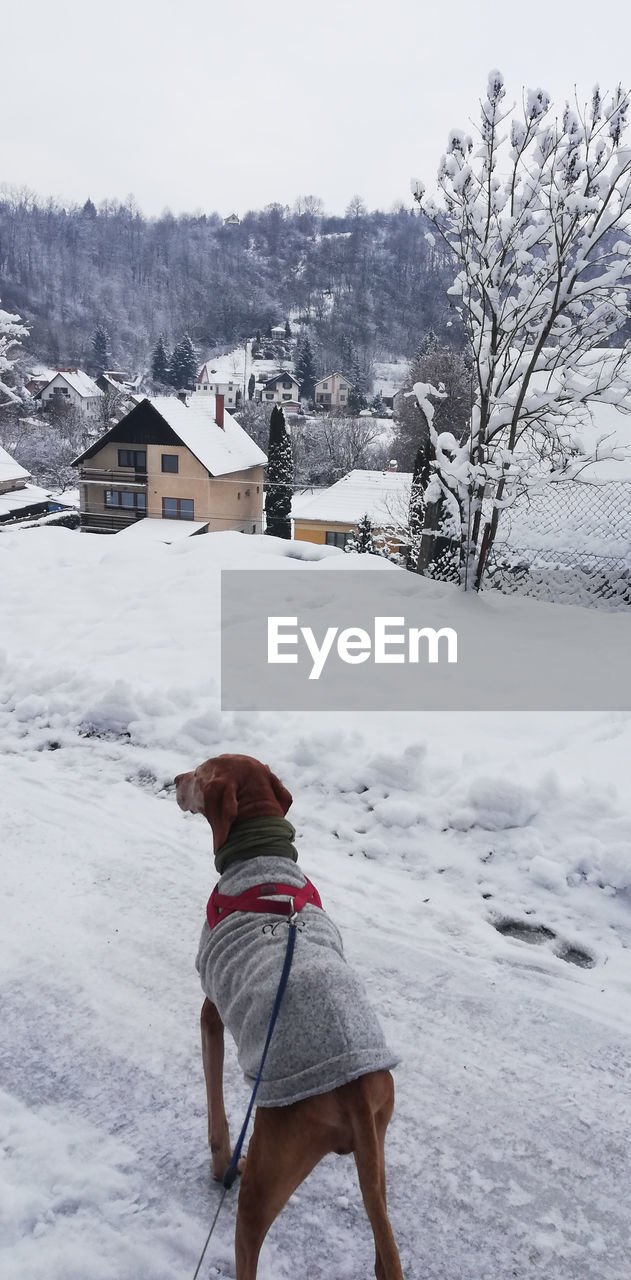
195,105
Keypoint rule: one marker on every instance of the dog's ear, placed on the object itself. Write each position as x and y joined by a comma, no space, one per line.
284,797
220,807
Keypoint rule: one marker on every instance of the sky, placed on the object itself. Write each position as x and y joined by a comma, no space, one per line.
200,106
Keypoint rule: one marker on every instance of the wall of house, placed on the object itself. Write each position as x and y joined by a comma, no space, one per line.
315,531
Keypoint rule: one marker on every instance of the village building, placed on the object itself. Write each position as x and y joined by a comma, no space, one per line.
233,220
332,392
75,388
19,499
330,516
282,388
213,382
177,460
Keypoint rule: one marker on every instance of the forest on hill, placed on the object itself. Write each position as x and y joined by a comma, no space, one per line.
378,280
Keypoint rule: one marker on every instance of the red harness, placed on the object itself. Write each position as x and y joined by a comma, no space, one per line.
260,898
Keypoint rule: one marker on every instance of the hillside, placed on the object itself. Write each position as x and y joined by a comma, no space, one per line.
370,278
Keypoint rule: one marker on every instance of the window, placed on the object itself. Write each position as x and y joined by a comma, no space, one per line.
253,528
247,493
177,509
325,386
269,395
132,458
342,397
239,495
126,501
286,395
343,386
287,383
170,462
336,539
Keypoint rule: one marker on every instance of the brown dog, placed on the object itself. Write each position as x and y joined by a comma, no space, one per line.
287,1140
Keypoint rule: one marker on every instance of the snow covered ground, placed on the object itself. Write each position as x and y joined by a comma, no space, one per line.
478,866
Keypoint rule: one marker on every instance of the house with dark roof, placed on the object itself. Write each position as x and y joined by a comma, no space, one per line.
283,389
173,460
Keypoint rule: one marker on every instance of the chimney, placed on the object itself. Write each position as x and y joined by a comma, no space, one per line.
183,396
219,411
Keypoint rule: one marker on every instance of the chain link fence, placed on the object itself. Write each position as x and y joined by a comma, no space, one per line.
570,544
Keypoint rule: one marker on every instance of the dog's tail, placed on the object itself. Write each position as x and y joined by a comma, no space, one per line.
372,1107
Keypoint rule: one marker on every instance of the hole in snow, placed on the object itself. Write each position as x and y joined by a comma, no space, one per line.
523,931
574,955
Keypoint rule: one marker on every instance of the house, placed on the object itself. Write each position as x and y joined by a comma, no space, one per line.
282,388
330,515
173,459
19,499
72,387
233,220
216,383
277,333
332,392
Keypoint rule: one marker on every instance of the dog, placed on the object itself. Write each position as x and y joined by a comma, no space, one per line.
327,1084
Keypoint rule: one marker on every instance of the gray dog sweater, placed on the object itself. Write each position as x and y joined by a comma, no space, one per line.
327,1032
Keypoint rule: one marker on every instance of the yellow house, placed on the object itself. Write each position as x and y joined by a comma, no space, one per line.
173,460
329,515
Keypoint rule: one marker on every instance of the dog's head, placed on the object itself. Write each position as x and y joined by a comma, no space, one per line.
229,789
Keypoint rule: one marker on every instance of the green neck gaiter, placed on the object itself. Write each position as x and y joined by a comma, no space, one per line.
256,836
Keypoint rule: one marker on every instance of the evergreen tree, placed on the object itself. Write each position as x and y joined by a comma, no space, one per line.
280,477
420,481
89,209
362,540
160,362
306,368
101,358
183,364
356,398
287,329
251,387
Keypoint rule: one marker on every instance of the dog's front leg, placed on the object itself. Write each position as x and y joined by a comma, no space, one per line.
212,1058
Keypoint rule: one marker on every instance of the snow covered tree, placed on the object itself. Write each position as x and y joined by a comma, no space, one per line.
362,539
306,367
436,365
183,364
101,358
287,330
160,362
251,386
536,213
280,477
11,333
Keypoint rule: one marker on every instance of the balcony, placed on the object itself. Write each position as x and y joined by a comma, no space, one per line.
109,521
118,477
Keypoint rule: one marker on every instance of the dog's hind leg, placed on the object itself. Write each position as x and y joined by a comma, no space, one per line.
284,1148
371,1100
212,1058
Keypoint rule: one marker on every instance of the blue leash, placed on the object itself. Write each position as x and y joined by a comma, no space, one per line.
232,1170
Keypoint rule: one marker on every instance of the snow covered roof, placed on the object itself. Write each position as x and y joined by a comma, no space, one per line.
213,374
382,495
155,530
327,377
18,499
80,382
220,450
284,373
10,469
